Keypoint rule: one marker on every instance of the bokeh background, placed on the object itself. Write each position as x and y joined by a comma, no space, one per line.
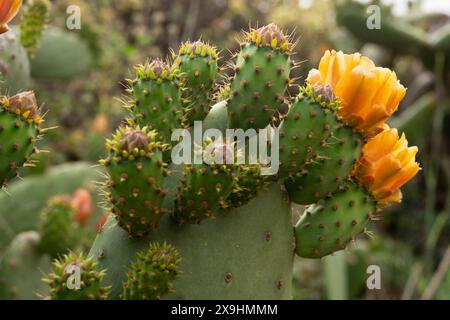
82,90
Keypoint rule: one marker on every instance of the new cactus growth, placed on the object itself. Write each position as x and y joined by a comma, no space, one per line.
156,98
64,285
137,170
151,276
34,19
19,130
58,229
261,78
198,62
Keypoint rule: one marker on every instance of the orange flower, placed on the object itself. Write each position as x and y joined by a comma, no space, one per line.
369,95
82,202
8,10
386,165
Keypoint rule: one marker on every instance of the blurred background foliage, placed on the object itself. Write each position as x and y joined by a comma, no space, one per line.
411,245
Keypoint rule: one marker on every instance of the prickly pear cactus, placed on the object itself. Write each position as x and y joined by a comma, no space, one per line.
19,130
218,228
14,65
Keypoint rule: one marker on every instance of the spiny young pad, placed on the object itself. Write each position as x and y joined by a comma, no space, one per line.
58,229
329,225
198,63
19,130
333,159
205,187
137,170
150,277
261,78
34,20
63,280
156,98
305,128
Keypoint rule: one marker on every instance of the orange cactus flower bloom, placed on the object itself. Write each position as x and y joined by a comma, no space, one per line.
368,94
8,10
386,165
82,202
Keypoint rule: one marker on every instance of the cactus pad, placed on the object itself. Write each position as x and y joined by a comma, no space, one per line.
151,276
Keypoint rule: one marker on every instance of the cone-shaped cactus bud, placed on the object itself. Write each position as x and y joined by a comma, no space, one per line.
136,169
151,276
19,130
58,229
8,10
34,19
198,63
75,277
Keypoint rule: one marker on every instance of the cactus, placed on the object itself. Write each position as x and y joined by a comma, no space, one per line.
156,98
34,19
19,130
261,78
151,276
58,229
14,65
60,55
221,229
90,285
198,62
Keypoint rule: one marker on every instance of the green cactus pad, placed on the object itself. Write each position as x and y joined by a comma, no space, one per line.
329,225
14,65
244,253
261,79
152,274
198,63
34,19
333,158
156,99
329,170
19,130
137,174
63,283
59,232
21,268
305,128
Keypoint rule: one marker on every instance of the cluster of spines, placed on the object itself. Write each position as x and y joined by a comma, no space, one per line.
136,174
58,229
64,282
151,276
34,19
20,122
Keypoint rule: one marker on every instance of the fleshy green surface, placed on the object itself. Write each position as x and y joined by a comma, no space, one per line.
332,223
14,65
244,253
